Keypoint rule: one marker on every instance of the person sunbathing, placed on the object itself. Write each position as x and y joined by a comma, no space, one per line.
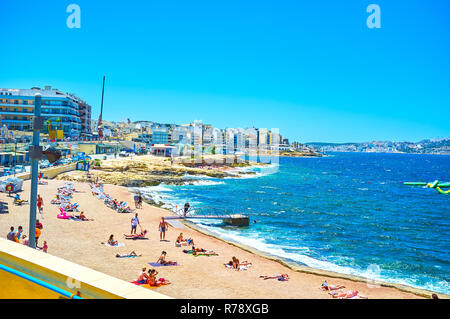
111,241
234,262
143,277
83,217
181,241
280,277
347,295
327,287
131,254
134,236
162,260
203,253
152,277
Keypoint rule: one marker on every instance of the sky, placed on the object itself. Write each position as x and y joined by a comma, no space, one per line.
312,69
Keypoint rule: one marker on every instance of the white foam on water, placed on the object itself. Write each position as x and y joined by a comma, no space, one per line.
205,183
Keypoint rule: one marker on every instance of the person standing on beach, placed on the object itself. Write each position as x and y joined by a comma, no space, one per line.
136,201
186,208
40,203
163,226
140,200
134,223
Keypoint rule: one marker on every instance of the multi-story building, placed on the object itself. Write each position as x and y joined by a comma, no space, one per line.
70,113
160,136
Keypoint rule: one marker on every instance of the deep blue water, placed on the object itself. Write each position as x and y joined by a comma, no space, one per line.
348,213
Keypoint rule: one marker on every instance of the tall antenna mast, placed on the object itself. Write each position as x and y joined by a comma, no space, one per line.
99,125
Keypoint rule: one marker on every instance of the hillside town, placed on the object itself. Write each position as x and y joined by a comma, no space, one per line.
69,126
428,146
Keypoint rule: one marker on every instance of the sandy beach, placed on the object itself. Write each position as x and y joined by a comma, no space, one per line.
195,277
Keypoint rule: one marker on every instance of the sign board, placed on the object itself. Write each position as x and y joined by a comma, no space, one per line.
9,188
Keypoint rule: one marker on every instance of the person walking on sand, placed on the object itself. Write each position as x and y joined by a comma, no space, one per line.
40,203
186,208
163,226
140,200
136,201
134,223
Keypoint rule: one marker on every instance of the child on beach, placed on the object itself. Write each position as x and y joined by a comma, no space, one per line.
45,247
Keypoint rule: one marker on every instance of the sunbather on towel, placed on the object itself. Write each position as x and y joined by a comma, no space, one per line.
162,259
111,241
327,287
152,277
234,263
134,236
181,241
143,277
131,254
349,294
83,217
280,277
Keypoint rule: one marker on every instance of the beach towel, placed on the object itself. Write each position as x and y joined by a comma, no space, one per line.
118,245
134,238
207,254
241,267
159,284
160,265
132,256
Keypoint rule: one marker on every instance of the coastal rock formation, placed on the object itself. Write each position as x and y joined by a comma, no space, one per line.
151,171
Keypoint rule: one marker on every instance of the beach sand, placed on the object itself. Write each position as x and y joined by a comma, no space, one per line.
195,277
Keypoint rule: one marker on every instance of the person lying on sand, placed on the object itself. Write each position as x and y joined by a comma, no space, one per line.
327,287
349,294
280,277
134,236
162,259
199,252
131,254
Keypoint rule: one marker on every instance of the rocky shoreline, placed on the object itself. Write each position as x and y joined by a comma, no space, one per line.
142,171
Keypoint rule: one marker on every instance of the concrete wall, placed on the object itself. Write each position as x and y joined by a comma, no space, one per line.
51,172
60,273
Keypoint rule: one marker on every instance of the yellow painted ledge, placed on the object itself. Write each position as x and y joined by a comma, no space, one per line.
61,273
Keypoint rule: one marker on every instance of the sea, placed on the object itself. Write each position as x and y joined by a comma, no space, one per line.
346,212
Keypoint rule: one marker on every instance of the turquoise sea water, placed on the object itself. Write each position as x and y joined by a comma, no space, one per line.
348,213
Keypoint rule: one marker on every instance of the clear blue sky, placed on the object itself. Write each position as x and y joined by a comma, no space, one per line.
310,68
